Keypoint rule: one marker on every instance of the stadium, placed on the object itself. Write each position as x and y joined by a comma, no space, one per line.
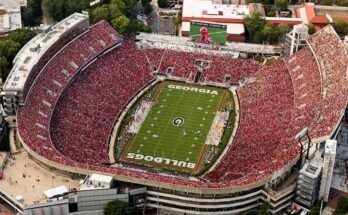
205,133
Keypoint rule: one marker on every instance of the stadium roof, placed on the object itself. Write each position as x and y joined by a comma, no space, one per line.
56,191
235,28
10,19
29,55
101,178
12,3
206,9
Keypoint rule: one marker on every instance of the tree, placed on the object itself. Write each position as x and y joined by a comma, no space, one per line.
100,13
272,32
114,11
60,9
341,27
342,206
121,5
136,26
145,2
283,28
282,4
162,3
311,29
21,36
148,9
116,207
32,13
120,24
258,37
4,67
9,48
253,24
272,11
326,2
342,2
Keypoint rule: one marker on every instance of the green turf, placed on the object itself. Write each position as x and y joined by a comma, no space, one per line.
159,137
216,34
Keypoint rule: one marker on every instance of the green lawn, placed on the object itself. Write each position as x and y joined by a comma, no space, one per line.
216,34
161,143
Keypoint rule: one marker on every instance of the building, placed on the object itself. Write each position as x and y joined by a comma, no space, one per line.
10,19
309,183
96,181
228,13
320,15
329,163
10,15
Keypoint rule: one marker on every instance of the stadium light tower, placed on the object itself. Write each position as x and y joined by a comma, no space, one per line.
303,133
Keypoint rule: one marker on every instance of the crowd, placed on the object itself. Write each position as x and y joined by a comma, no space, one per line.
85,114
333,65
306,81
73,127
34,117
263,143
183,64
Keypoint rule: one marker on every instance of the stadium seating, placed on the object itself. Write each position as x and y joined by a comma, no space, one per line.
183,64
333,64
266,111
87,109
34,117
69,113
305,77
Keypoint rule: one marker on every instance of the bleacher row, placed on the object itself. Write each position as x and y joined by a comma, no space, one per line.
87,109
287,96
183,64
333,64
34,117
262,144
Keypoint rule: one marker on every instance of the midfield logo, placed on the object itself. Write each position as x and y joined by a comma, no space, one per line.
178,121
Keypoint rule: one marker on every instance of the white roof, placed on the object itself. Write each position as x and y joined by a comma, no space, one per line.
100,178
235,29
19,198
29,55
185,26
12,3
195,8
11,20
56,191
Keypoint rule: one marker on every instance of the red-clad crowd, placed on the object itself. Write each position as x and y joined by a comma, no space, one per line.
333,64
305,77
35,116
262,144
184,67
84,115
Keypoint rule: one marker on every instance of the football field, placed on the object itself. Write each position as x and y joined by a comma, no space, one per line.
174,132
